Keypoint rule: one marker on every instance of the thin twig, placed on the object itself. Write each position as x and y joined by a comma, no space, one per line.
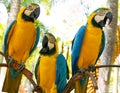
3,55
101,66
3,65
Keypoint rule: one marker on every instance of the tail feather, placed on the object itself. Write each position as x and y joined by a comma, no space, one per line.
81,88
11,85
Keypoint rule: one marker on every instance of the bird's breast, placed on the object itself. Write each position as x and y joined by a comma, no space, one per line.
90,48
21,41
47,72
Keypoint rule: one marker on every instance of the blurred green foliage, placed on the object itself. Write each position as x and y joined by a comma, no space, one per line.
2,29
119,11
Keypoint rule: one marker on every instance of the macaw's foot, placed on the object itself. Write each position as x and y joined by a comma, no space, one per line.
37,89
21,67
10,60
82,71
91,68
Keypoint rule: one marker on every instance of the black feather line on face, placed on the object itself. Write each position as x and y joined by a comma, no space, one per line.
96,24
27,18
46,51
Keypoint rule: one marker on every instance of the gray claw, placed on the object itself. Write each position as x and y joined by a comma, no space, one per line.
10,60
21,67
91,68
82,71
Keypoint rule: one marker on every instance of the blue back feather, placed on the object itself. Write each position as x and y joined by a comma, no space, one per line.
6,34
61,72
36,67
76,47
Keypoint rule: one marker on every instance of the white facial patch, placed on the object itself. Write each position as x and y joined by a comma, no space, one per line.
51,41
98,18
27,12
50,45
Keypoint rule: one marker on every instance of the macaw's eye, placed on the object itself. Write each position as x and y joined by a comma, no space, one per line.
52,41
30,7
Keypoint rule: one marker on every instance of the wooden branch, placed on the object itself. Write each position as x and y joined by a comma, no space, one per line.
93,79
71,83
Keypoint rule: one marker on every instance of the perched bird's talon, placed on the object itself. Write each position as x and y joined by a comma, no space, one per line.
82,71
10,60
38,89
21,67
91,68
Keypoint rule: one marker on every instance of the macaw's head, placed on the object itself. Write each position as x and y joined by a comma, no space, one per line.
48,44
30,12
101,17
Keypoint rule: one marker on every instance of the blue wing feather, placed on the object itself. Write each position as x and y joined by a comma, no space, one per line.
12,71
36,67
76,47
6,34
37,39
61,72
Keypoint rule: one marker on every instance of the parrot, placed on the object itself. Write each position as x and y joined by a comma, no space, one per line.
20,40
88,45
51,69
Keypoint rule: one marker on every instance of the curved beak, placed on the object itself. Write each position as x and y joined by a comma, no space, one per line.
35,14
108,18
45,47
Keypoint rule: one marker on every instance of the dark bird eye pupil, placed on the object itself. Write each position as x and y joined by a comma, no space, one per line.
30,7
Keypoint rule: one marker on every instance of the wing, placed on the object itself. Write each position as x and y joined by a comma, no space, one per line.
37,39
8,34
76,46
36,69
61,72
102,46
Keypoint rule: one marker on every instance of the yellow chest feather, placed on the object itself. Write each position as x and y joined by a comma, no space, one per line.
22,40
47,72
90,47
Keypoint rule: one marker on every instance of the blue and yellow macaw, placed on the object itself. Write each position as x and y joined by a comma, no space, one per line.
20,40
88,44
51,69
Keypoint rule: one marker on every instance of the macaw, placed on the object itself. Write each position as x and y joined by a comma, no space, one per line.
88,45
21,38
51,69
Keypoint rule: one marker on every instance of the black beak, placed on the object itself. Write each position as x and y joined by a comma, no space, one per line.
109,17
107,20
45,47
45,41
35,14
